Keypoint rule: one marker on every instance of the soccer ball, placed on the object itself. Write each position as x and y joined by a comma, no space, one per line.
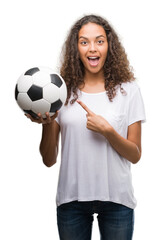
40,90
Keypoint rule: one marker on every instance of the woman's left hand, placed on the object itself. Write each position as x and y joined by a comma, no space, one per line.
95,122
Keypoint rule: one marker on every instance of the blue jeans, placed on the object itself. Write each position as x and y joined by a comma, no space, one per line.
75,219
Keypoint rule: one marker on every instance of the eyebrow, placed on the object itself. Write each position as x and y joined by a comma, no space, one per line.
96,37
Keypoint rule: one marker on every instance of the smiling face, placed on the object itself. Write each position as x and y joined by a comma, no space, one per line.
92,47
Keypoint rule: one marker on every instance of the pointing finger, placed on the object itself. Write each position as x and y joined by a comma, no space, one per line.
85,107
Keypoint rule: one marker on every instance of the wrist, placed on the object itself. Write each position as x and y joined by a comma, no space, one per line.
47,126
108,131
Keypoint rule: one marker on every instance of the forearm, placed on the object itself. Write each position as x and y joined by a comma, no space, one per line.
129,148
48,145
124,147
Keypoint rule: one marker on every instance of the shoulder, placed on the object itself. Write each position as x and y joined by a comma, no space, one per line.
130,87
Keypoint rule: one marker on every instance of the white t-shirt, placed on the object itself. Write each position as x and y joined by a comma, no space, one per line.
90,168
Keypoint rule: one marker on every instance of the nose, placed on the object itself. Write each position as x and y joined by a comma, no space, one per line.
92,47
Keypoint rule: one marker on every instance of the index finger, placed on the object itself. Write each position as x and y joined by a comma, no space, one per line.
84,107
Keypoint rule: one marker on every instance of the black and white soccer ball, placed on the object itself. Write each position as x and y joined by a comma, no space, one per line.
40,90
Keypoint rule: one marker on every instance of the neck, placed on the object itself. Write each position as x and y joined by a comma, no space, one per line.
94,83
94,78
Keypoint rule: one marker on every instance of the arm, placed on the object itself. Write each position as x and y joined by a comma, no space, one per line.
50,137
129,148
50,143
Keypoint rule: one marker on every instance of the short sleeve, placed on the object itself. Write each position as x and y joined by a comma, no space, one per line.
57,119
136,107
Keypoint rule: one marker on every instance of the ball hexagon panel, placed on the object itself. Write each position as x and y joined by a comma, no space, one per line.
35,93
51,93
55,79
24,101
41,78
41,106
24,83
46,70
63,93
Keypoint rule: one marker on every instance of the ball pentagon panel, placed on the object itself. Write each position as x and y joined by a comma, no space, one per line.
56,79
31,71
16,92
35,93
33,114
56,106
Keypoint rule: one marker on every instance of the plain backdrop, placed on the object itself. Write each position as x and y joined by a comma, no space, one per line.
31,34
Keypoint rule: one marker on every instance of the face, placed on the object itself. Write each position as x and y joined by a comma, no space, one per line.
92,47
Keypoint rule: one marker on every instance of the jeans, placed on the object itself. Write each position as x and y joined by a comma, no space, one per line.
75,219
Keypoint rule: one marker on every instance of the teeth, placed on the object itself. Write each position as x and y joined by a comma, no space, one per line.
92,57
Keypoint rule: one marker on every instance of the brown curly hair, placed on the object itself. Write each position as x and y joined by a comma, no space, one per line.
116,68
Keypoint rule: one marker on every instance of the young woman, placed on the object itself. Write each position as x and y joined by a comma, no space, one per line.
100,128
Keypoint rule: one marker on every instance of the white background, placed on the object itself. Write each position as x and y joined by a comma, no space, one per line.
31,34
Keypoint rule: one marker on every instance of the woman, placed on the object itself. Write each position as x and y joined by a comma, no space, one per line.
100,127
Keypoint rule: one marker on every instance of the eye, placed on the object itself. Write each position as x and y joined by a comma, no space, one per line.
100,42
83,42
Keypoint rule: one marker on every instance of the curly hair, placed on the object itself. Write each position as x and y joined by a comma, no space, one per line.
116,68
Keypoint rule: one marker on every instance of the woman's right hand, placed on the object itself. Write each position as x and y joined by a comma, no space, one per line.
42,120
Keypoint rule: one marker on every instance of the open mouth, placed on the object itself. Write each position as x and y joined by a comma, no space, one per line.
93,61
